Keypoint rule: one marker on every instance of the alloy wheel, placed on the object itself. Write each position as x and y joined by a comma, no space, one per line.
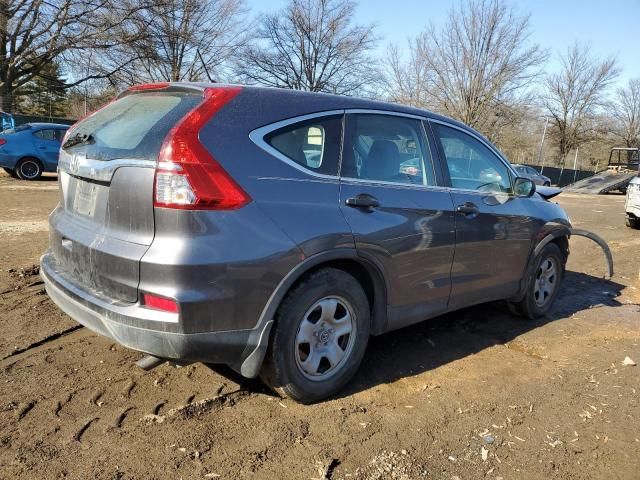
29,169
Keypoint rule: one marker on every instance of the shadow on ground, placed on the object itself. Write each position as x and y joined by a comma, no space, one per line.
46,178
436,342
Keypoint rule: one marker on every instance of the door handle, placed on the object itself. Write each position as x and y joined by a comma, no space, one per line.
468,209
42,148
363,200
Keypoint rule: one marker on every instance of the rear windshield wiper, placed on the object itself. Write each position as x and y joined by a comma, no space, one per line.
78,139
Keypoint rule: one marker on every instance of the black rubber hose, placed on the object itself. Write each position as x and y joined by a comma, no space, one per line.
600,241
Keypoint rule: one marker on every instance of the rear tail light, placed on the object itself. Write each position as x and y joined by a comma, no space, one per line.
2,141
159,303
187,176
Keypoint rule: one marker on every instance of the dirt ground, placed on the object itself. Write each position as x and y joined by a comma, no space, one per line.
475,394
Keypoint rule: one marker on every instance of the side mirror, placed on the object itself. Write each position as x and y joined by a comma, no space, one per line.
524,187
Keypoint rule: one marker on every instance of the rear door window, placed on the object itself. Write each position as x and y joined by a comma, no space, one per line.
313,144
386,148
135,125
59,133
46,134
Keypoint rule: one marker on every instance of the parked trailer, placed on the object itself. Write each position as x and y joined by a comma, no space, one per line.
621,168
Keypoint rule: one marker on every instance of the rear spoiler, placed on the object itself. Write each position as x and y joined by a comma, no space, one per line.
183,87
548,192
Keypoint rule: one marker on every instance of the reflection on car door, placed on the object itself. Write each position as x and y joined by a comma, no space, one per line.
494,232
399,218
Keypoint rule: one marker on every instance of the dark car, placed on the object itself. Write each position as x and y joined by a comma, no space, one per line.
31,149
274,231
532,174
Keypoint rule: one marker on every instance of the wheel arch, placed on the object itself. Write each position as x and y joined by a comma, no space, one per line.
552,232
364,269
30,157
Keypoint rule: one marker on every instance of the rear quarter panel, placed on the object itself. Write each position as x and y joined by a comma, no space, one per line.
19,145
304,207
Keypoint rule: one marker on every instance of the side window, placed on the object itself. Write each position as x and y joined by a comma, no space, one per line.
471,164
59,134
313,144
386,148
46,134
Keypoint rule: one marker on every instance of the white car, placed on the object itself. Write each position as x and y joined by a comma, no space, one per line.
632,203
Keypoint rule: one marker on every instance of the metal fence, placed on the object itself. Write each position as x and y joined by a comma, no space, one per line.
563,177
22,119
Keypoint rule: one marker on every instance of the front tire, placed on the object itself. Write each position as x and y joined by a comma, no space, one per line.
543,283
319,338
11,172
632,223
29,169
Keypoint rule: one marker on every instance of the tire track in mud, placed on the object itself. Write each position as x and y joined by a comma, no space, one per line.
129,388
61,403
85,426
95,398
158,407
192,410
121,417
25,409
40,343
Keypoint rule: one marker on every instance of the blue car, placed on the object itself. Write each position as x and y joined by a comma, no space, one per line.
29,150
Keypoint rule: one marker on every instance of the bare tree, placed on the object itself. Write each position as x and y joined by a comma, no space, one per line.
626,113
311,45
181,40
35,33
574,94
476,68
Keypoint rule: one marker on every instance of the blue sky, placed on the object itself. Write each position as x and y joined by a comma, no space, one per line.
612,27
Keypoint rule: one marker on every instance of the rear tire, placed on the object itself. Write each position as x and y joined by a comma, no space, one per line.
11,172
546,184
632,223
29,168
543,283
319,338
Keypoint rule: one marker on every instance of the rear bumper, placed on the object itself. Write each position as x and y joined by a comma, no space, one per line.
7,161
632,207
242,350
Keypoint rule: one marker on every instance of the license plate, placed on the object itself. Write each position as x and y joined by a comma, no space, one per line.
84,201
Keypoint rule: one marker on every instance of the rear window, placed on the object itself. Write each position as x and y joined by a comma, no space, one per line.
135,125
19,128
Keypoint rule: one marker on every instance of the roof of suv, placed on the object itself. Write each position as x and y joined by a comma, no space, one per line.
336,102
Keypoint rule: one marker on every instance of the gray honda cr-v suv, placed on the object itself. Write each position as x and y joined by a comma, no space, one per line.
274,231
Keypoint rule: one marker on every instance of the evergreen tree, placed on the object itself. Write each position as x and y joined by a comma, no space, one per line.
45,95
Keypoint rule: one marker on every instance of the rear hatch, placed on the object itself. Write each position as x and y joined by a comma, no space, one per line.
104,223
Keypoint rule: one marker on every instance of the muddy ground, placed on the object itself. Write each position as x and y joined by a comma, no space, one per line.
475,394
